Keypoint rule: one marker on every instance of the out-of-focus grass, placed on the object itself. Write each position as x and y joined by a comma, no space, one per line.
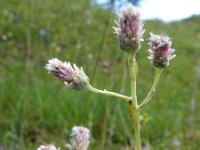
36,109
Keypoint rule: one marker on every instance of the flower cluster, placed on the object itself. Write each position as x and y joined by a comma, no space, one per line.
160,50
129,29
79,138
48,147
73,76
130,34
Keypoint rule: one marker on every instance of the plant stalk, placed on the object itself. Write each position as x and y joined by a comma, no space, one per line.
147,99
105,92
133,104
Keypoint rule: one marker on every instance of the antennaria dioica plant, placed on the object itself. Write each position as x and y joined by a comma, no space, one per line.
129,30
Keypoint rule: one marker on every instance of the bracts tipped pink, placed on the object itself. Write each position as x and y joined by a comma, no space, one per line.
79,138
160,50
72,76
129,29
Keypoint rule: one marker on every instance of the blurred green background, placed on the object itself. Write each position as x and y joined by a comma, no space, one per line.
35,108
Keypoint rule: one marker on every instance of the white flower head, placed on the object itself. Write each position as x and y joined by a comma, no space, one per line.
79,138
73,76
129,28
48,147
161,51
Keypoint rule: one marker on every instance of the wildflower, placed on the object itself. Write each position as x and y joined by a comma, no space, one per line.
42,32
72,76
129,29
4,37
79,138
160,50
16,18
48,147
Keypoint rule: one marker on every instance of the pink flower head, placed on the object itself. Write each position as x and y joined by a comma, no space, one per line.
160,50
80,138
48,147
73,76
129,28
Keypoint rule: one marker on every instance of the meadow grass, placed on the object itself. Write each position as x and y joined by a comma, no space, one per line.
36,109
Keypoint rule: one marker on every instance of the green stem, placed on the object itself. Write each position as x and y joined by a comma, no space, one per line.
152,90
133,104
133,67
134,114
137,132
105,92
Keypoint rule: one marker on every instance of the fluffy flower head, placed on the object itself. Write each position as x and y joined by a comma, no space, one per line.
129,28
79,138
160,50
48,147
73,76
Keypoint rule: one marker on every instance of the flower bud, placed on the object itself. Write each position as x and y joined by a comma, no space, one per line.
79,138
73,76
160,50
129,29
48,147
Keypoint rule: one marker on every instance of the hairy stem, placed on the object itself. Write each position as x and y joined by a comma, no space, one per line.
152,90
133,68
105,92
133,104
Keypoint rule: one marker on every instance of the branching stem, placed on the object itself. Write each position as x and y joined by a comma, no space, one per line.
105,92
152,90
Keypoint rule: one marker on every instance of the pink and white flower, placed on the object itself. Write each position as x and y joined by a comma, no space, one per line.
79,138
73,76
129,28
48,147
160,50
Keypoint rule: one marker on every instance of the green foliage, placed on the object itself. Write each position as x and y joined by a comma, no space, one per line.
36,109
